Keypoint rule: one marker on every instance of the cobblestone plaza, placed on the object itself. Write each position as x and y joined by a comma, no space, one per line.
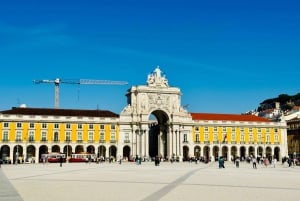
147,182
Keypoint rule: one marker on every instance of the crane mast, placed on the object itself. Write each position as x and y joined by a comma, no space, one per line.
57,82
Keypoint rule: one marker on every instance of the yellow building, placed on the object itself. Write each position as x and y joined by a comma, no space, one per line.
153,123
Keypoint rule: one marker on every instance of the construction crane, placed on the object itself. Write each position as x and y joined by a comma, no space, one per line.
58,81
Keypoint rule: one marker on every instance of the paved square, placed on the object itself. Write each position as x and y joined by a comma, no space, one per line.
147,182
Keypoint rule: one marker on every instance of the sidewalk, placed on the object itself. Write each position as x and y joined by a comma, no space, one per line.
147,182
7,191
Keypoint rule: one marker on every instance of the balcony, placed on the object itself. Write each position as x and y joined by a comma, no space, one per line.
79,141
102,141
126,141
112,141
44,140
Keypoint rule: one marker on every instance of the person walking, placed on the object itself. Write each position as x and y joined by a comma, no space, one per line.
274,162
254,162
61,160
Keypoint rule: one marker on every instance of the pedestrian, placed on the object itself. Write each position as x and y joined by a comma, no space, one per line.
61,160
221,162
120,160
274,162
254,162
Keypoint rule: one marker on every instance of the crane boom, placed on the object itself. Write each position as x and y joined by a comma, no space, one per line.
57,82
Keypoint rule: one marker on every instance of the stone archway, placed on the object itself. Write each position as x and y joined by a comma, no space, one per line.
197,151
102,151
79,149
216,150
277,153
252,151
5,154
243,153
90,149
185,151
30,150
113,152
158,135
164,136
233,152
206,154
126,153
55,148
42,150
68,150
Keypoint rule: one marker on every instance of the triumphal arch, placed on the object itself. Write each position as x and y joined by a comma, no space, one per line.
153,122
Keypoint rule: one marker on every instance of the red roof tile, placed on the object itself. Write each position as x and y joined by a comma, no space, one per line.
228,117
60,112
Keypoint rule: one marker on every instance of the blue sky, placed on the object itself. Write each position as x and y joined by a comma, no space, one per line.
225,56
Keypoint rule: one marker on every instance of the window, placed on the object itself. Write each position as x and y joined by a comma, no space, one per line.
242,137
259,137
250,138
31,125
112,136
44,136
215,137
5,136
233,137
268,138
19,125
196,128
55,138
197,138
250,130
5,124
205,129
102,127
215,129
276,138
56,125
113,127
18,136
44,125
184,137
91,136
79,126
126,137
68,126
68,136
224,129
91,126
206,137
102,136
79,136
31,136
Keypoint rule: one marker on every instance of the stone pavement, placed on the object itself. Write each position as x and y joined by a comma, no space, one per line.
147,182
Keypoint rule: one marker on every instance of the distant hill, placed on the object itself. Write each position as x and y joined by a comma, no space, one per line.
287,102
